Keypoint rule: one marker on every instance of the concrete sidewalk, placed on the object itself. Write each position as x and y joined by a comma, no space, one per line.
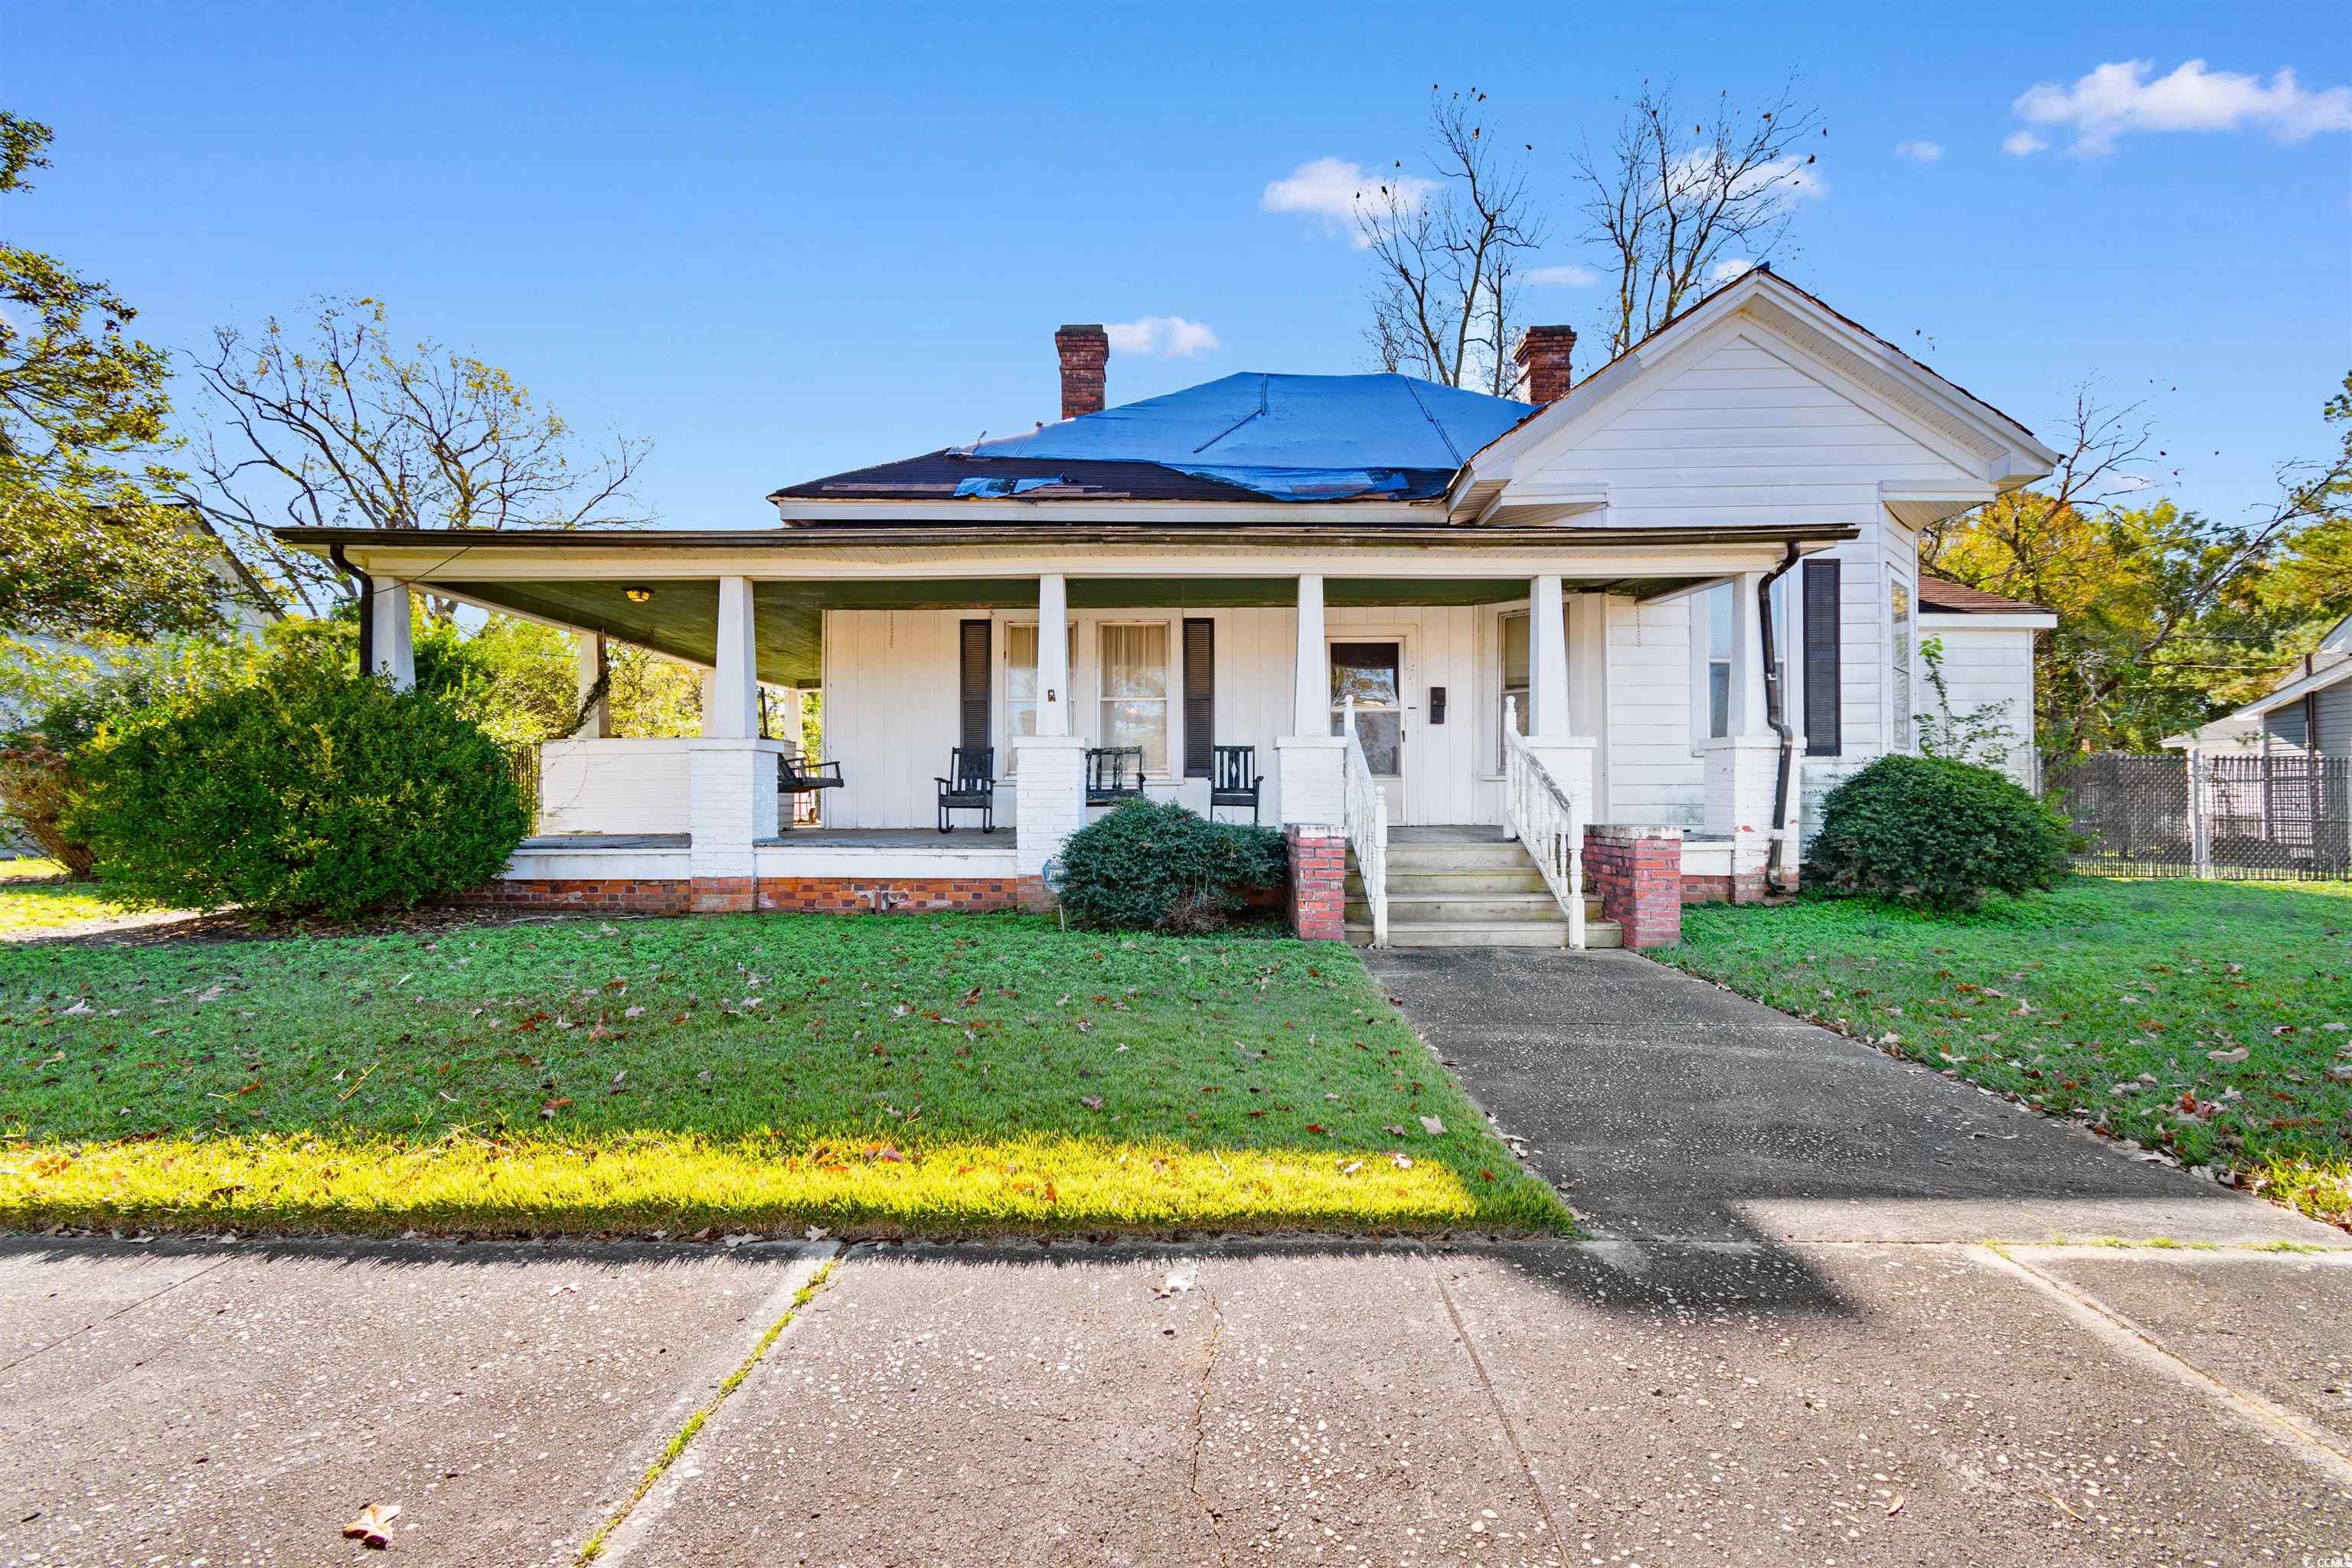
1786,1345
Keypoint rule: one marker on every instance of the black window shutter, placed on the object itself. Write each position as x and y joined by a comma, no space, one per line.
1199,697
1823,668
973,691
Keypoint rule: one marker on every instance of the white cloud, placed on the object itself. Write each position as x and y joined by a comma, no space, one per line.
1791,175
1568,277
1731,266
1919,151
2118,96
1162,337
2022,144
1335,190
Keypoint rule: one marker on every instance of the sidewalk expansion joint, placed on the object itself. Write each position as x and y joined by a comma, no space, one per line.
1495,1401
602,1545
2315,1445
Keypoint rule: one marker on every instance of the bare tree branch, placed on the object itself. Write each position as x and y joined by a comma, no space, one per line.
1448,254
337,427
1680,209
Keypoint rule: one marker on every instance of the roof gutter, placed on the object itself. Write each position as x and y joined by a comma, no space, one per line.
1439,536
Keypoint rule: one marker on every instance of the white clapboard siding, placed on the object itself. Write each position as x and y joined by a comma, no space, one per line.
1983,665
614,786
1654,775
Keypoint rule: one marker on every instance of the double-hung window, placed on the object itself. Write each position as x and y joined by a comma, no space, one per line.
1513,709
1134,690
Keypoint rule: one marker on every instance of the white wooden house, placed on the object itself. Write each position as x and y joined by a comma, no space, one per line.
1549,613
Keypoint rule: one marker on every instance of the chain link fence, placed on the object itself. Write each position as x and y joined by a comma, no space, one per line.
2254,818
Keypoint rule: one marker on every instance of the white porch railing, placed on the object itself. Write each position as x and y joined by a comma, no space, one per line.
1546,818
1366,824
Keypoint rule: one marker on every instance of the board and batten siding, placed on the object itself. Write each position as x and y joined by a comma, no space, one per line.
891,703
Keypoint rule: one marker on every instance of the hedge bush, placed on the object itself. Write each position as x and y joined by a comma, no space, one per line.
308,790
1152,864
1936,832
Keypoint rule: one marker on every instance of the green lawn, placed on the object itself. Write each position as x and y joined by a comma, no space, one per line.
872,1076
2121,1003
37,896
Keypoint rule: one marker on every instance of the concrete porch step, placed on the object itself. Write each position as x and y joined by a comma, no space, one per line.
1527,880
1475,908
1494,855
1490,933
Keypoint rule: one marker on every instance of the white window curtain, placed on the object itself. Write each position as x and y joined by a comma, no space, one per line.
1717,696
1135,690
1516,689
1020,689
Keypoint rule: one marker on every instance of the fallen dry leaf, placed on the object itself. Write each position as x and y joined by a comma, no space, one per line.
1432,1126
1177,1280
368,1529
2241,1054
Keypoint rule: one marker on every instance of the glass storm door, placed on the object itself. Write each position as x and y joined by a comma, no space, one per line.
1374,674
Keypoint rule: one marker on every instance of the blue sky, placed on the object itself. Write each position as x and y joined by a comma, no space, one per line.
779,241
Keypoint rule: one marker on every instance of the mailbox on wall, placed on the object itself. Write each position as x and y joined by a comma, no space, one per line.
1437,705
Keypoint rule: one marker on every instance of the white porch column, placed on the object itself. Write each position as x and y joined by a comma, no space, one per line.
1049,802
1311,701
1742,766
1310,763
1565,753
1588,692
597,724
732,712
1547,660
733,785
1748,715
1053,654
387,611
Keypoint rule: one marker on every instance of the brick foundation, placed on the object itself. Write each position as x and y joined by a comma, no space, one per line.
1319,883
892,895
740,895
725,895
1748,888
1638,874
663,897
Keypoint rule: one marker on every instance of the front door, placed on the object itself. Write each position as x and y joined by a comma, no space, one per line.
1374,674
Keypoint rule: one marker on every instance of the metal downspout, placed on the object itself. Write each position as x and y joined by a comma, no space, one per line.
1776,714
367,607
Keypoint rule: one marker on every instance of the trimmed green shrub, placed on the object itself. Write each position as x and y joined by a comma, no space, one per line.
309,791
1936,832
1152,864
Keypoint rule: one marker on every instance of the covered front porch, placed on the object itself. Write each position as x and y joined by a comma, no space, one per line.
1533,685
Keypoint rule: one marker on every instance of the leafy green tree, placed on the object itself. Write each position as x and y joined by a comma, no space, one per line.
87,544
2165,618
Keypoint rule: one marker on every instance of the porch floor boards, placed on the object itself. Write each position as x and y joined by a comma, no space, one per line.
890,838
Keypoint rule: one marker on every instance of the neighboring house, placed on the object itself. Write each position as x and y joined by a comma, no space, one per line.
2309,714
1227,565
1988,659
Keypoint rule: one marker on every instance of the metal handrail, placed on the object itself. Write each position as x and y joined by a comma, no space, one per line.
1546,818
1365,805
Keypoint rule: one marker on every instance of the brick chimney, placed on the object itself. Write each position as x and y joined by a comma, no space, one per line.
1083,350
1542,358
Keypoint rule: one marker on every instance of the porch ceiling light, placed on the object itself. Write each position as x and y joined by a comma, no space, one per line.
637,596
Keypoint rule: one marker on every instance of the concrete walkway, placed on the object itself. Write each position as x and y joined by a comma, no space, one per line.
1787,1344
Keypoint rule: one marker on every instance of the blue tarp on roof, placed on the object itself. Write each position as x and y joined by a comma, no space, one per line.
1297,437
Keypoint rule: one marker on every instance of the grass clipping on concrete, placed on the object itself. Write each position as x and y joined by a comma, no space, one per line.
2212,1021
939,1076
